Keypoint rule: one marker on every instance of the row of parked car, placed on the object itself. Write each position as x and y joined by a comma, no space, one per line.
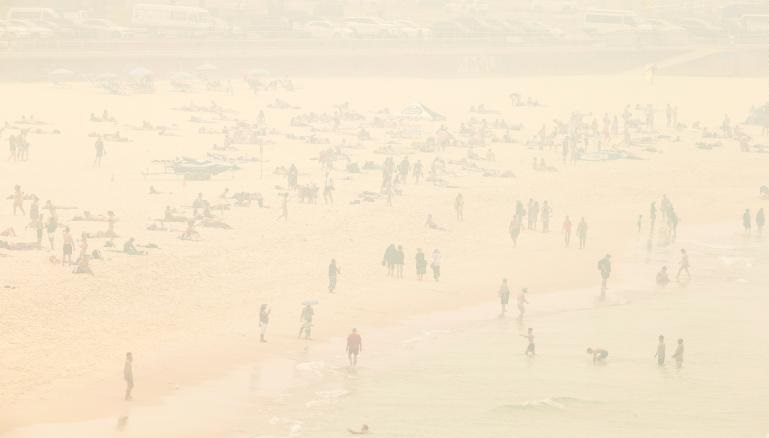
149,20
97,28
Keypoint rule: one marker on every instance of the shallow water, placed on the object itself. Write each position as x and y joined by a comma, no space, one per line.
464,373
472,379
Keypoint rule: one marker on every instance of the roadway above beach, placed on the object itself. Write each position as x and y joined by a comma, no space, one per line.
444,58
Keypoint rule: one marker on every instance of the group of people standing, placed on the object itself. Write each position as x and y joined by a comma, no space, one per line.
394,259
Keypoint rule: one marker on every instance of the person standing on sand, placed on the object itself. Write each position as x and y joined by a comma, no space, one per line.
333,270
68,245
546,213
678,355
307,315
354,347
760,220
582,232
639,223
660,354
128,375
515,230
436,264
284,208
521,302
264,321
421,264
604,265
99,146
18,200
417,171
504,297
652,216
530,348
745,221
683,265
459,205
567,231
400,260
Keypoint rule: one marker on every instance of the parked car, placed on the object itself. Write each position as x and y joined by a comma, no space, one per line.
409,29
449,29
102,28
325,29
13,31
701,28
31,29
370,27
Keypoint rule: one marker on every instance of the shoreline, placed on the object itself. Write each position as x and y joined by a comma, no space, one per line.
159,396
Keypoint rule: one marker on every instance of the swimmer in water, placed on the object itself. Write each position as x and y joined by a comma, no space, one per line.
530,349
521,302
599,354
678,355
363,430
354,347
660,354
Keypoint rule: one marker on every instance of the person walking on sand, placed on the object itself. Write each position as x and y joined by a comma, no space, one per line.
660,354
678,354
652,216
333,271
567,231
306,318
264,321
746,221
604,265
436,265
504,297
582,232
521,302
639,223
421,264
128,375
683,265
760,220
459,206
530,348
354,347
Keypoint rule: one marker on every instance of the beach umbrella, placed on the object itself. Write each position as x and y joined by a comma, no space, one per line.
140,72
206,67
310,302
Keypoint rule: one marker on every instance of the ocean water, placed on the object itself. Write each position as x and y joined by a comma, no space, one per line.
464,374
467,376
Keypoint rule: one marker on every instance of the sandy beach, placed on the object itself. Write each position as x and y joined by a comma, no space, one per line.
188,310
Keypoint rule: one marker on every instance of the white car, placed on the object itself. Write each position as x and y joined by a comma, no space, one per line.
325,29
12,31
409,29
31,29
103,28
370,27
